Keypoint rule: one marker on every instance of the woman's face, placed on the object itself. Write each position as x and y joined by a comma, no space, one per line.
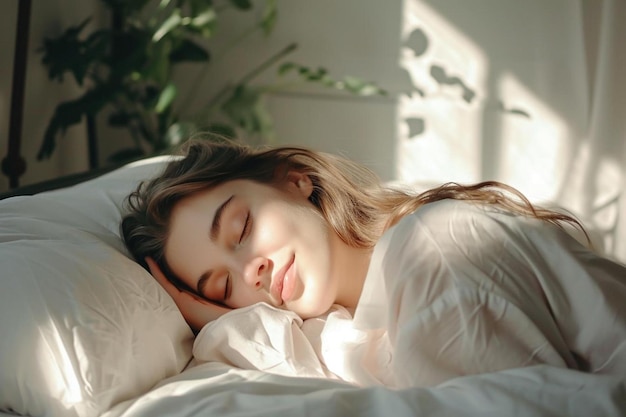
243,242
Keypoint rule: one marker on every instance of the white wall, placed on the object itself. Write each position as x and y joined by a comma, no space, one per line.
544,79
529,93
360,38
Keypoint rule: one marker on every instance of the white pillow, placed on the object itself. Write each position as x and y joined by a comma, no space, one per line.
82,326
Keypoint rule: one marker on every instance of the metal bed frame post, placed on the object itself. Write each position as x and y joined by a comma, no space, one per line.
13,165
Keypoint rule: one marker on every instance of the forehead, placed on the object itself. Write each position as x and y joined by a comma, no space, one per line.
201,205
191,217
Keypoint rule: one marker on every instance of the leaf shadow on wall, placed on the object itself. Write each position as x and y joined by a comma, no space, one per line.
418,43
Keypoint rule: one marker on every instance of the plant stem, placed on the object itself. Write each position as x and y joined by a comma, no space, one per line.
120,107
246,78
268,63
203,114
193,93
92,141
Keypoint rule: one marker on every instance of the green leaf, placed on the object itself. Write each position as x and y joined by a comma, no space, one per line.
286,68
238,107
157,67
129,53
71,112
317,75
270,16
179,132
360,87
247,110
151,94
119,119
171,23
242,4
164,3
204,22
196,6
166,98
97,45
349,84
63,118
188,50
67,53
305,72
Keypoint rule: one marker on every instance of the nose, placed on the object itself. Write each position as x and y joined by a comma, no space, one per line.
255,271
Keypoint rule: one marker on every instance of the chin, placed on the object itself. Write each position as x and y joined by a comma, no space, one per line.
310,313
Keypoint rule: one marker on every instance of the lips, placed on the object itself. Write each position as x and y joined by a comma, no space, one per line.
278,282
289,283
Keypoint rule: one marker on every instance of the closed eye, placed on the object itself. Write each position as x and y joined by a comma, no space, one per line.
246,228
227,287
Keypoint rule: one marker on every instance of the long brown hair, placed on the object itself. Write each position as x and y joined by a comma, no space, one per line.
352,199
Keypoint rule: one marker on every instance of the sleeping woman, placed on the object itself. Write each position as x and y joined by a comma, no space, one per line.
464,279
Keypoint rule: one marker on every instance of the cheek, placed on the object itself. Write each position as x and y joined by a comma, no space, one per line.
316,300
282,225
318,284
268,235
246,296
188,258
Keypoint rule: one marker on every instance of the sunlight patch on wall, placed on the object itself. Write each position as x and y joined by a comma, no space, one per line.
448,74
535,146
605,211
601,212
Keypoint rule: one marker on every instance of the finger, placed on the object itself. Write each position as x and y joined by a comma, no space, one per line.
196,310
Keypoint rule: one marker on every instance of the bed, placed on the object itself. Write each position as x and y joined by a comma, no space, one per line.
87,332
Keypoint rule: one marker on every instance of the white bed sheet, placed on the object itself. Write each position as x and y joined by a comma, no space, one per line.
213,389
325,375
463,289
282,354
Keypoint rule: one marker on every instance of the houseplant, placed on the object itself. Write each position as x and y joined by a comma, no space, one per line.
126,72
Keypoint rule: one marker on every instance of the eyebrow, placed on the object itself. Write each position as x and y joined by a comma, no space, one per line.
217,219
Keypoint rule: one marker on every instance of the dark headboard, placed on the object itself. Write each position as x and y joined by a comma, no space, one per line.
13,165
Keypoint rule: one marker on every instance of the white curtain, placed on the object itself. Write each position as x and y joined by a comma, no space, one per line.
603,192
532,93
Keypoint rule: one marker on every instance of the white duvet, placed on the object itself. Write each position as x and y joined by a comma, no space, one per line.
87,332
214,389
464,314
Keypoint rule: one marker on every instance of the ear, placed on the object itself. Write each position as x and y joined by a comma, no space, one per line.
300,183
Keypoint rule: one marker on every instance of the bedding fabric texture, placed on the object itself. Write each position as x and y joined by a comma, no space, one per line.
83,326
466,289
464,313
86,331
214,389
455,289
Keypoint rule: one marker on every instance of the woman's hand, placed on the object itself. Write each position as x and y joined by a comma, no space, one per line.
196,311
